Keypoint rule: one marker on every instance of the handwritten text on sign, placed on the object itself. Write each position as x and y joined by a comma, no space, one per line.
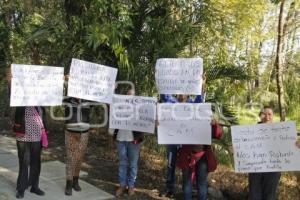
91,81
184,123
135,113
179,75
265,147
34,85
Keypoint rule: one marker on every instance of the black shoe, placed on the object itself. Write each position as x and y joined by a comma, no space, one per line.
168,194
75,184
20,194
68,189
37,191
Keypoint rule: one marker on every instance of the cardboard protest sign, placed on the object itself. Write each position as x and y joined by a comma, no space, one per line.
91,81
179,75
135,113
184,123
35,85
266,147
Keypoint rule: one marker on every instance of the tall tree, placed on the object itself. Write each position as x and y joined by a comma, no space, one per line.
278,65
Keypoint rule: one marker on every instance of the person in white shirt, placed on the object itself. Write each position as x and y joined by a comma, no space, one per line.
128,145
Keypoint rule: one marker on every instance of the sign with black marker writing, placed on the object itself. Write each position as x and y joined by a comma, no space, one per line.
36,85
91,81
184,123
266,147
135,113
179,75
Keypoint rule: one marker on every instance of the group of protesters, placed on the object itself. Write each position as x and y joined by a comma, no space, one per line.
195,161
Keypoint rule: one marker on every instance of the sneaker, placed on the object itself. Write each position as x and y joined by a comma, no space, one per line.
37,191
20,194
120,191
131,191
168,194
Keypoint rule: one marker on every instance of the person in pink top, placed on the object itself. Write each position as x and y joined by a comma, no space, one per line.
28,127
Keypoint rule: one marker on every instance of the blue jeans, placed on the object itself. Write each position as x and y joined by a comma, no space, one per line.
172,155
201,179
129,154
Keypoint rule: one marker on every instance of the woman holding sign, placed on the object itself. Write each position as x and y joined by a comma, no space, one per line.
172,149
128,145
196,161
29,127
263,186
77,113
76,141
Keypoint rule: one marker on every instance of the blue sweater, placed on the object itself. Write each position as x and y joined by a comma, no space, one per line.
167,98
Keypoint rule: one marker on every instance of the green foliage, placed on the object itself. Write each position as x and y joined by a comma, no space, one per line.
275,1
232,36
229,71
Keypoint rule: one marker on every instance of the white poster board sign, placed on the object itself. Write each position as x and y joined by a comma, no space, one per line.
91,81
179,75
36,85
265,147
134,113
184,123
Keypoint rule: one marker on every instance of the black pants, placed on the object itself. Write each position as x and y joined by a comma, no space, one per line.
263,186
29,154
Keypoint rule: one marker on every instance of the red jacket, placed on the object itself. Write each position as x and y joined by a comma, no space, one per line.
188,155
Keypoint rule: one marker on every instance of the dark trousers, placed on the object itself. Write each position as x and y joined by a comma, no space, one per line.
29,154
263,186
171,178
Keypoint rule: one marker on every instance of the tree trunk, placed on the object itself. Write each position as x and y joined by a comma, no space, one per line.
292,34
257,75
36,59
279,64
287,27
